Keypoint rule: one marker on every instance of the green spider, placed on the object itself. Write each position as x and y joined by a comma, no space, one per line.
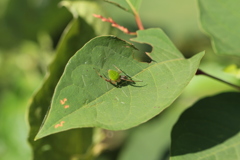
115,78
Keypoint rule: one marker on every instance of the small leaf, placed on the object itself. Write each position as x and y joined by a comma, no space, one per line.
208,130
220,19
83,99
128,5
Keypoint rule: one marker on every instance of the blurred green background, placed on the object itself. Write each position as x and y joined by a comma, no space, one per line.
30,31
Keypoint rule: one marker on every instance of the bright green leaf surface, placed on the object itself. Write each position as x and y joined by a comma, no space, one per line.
128,5
220,19
77,33
209,130
83,99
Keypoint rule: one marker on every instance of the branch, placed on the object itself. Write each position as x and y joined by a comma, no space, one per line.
200,72
114,24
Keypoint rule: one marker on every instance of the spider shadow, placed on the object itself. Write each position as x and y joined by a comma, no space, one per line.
125,83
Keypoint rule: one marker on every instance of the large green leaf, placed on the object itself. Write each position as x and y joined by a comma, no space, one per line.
83,99
77,33
209,130
131,6
220,19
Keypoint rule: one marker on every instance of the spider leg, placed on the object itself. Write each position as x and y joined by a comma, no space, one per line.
129,80
127,76
119,70
108,80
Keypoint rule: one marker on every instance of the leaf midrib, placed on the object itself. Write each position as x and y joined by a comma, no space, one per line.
111,90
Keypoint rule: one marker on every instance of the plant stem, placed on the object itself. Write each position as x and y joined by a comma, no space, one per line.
200,72
137,17
138,21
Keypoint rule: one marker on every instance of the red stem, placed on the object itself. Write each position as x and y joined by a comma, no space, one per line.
139,22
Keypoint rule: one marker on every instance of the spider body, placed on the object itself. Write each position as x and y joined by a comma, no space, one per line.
115,78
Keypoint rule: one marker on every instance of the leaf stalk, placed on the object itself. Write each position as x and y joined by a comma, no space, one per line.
200,72
138,21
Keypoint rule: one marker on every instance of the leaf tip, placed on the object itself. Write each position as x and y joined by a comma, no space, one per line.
36,138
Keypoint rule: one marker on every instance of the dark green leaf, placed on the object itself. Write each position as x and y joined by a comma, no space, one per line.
209,130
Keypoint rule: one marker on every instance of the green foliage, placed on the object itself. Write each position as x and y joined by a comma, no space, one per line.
42,98
71,40
90,101
131,6
220,19
98,83
27,19
208,130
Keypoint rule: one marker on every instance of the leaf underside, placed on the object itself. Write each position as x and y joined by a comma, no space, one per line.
83,99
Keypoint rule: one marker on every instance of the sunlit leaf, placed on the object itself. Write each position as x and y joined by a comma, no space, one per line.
83,99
